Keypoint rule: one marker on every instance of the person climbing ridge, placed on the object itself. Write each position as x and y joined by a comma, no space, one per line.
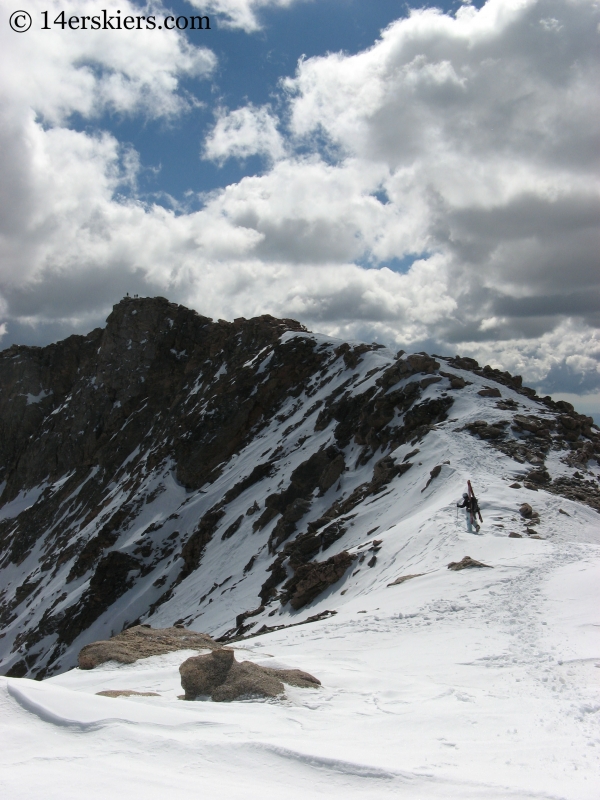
471,506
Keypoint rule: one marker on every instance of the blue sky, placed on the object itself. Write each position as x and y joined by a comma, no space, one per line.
424,177
250,68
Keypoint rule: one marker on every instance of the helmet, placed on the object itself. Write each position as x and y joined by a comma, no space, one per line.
465,494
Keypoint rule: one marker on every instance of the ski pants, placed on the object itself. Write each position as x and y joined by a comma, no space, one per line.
468,518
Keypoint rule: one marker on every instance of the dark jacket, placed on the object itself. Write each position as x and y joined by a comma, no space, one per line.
470,503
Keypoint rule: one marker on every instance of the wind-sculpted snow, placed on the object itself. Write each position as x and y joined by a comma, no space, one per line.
241,477
476,684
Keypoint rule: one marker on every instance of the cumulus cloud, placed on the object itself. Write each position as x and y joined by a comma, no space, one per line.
248,131
564,359
60,73
59,187
439,189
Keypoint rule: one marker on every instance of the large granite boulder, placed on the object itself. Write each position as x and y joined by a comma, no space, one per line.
142,641
219,676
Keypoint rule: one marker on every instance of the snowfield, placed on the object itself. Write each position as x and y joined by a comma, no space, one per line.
482,683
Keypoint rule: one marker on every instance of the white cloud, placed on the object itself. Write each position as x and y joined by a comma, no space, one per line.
248,131
570,353
465,144
58,72
58,185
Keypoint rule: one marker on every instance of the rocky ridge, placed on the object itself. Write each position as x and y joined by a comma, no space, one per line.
168,461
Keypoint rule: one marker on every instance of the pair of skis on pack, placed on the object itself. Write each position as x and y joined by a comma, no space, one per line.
473,507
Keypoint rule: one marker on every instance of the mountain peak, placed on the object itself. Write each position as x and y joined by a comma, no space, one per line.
172,469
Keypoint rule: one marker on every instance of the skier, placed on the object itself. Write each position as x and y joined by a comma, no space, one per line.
471,507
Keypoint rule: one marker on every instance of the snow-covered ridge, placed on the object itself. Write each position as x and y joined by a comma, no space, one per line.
274,477
206,493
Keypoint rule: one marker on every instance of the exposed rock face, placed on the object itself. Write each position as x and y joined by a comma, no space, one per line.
533,437
112,577
433,475
576,487
72,414
238,632
322,469
143,642
311,579
222,678
138,356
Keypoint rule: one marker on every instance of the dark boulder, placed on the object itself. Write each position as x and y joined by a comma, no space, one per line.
538,477
222,678
526,511
466,563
